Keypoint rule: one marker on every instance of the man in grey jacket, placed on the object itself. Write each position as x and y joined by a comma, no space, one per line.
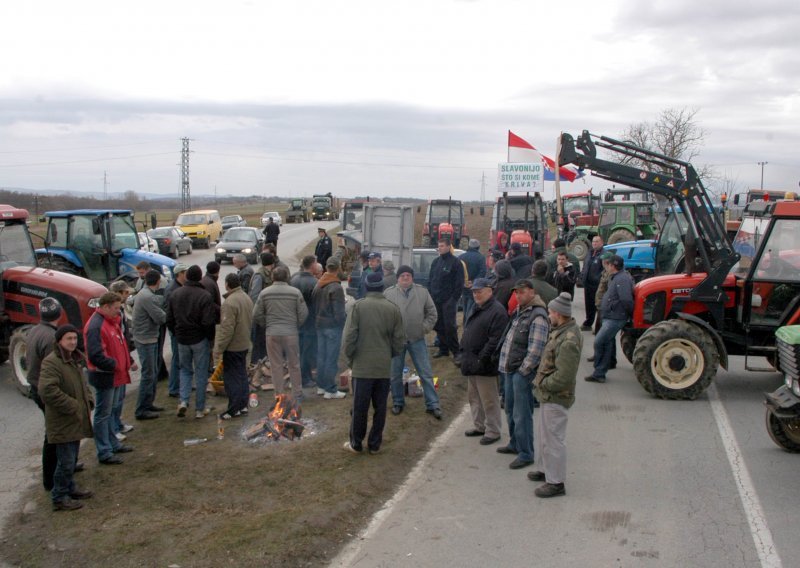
148,317
419,317
231,345
281,310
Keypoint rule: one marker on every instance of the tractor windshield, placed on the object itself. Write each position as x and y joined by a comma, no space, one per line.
123,233
671,246
15,244
748,239
572,204
353,218
438,213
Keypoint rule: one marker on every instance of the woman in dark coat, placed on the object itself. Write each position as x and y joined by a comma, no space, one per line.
504,286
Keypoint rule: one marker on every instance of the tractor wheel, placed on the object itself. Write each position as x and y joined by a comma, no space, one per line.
59,264
621,236
628,343
426,241
675,359
784,432
19,365
580,248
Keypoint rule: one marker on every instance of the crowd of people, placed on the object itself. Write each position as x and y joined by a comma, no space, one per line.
519,348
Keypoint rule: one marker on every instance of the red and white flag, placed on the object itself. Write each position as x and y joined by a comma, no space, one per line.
520,150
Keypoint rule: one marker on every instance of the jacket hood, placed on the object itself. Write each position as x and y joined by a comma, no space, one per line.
328,278
503,269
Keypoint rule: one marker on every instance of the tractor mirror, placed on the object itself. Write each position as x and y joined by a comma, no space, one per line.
736,199
43,219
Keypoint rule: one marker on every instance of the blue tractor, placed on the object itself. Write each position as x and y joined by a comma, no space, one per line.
99,244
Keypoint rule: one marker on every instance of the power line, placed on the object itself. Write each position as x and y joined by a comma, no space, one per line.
379,164
85,161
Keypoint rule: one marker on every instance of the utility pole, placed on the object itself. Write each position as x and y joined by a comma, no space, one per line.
762,164
186,198
483,187
105,186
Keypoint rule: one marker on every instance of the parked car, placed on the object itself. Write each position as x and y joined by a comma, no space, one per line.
171,241
147,243
230,221
276,217
245,240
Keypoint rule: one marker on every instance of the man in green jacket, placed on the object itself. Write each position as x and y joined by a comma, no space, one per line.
68,406
373,335
555,389
232,343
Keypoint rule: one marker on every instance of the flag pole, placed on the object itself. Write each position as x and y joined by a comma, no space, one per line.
557,178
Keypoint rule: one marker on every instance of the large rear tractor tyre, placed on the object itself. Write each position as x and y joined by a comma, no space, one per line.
19,364
675,359
784,432
580,248
621,236
628,343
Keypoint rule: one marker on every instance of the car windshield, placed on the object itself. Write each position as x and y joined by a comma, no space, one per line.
272,214
160,233
240,235
193,219
230,219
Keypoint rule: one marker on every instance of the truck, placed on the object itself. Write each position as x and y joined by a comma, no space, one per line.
523,218
387,228
99,244
325,207
445,218
299,211
726,302
25,284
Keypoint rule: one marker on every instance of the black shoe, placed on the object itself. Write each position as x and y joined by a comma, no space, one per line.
113,460
590,359
79,467
473,433
155,408
147,415
612,366
536,475
80,494
506,450
486,440
593,379
457,360
397,409
550,490
437,413
374,452
520,463
66,504
123,449
585,327
440,354
174,395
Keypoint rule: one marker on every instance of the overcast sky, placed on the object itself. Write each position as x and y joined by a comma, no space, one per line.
411,98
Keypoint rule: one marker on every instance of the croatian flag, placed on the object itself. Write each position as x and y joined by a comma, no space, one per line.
521,151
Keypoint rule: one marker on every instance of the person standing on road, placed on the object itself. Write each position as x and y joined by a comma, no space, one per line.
565,275
261,280
244,271
68,407
281,310
483,332
324,249
389,274
271,232
109,364
520,262
538,278
523,344
555,390
615,310
232,343
476,268
419,316
148,317
192,316
305,282
174,384
503,284
446,282
118,426
373,335
590,277
329,307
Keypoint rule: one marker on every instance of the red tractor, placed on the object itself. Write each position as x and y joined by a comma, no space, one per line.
730,300
445,219
24,285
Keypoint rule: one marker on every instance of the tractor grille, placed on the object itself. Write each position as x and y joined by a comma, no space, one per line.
789,356
13,306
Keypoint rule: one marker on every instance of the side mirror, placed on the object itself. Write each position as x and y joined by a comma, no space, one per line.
736,199
96,226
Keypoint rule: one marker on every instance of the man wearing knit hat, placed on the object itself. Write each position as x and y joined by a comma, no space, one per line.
555,390
475,264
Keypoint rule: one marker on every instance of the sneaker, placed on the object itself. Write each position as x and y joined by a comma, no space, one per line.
243,412
182,409
121,437
437,413
397,409
321,392
349,448
67,504
202,413
225,416
337,394
126,428
550,490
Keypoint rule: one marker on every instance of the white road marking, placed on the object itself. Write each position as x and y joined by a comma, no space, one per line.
762,536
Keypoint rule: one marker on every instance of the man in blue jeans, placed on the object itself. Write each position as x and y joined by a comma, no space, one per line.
419,316
148,317
523,344
615,309
174,385
329,317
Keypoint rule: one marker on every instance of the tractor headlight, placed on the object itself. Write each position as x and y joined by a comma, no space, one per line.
793,384
94,303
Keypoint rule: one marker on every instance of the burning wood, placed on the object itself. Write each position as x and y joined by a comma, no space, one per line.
281,421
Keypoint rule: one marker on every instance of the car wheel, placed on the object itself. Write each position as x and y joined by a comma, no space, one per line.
175,253
189,250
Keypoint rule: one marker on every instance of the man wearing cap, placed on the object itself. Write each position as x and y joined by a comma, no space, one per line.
523,344
324,249
68,407
174,384
373,335
483,332
148,317
475,263
555,390
232,343
281,310
192,316
446,282
329,318
374,262
244,271
419,316
590,277
616,309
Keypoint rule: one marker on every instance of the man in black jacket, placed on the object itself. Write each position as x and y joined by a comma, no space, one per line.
271,232
324,249
191,316
446,281
590,277
483,332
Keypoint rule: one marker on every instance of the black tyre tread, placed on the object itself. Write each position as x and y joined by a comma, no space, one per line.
19,335
654,337
776,431
620,236
586,248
